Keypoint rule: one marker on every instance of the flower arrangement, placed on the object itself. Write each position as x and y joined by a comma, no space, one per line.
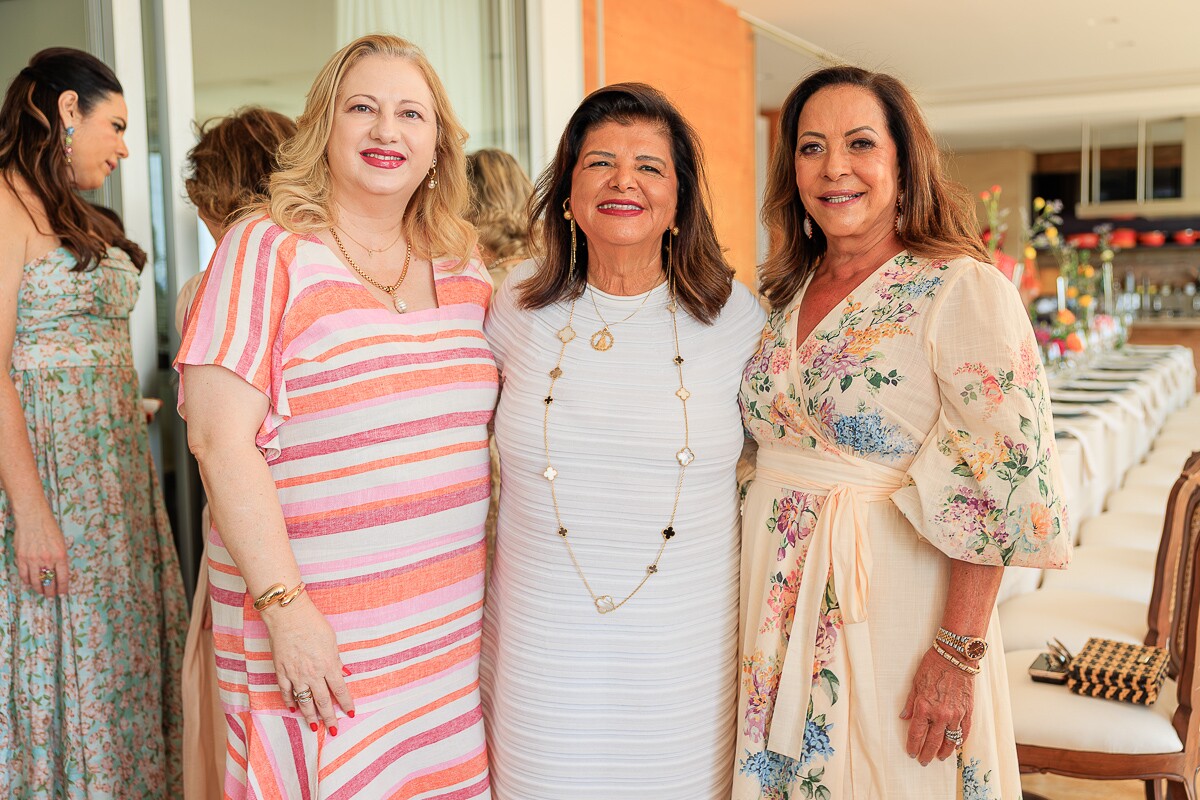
994,235
1061,334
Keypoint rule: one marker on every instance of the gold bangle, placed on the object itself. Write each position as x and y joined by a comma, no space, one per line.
967,668
272,594
287,599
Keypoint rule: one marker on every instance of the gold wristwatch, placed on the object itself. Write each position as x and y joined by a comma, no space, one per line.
972,647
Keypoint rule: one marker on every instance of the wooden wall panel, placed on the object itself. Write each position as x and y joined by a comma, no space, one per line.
701,54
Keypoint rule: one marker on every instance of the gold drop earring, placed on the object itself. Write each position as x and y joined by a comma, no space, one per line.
569,217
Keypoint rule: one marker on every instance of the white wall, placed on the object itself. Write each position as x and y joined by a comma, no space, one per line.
27,26
555,73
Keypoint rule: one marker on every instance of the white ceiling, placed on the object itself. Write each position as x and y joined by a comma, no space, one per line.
999,74
255,52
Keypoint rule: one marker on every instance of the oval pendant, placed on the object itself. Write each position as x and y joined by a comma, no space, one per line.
602,340
399,303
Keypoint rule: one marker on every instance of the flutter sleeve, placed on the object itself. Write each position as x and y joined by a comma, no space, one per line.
986,486
237,318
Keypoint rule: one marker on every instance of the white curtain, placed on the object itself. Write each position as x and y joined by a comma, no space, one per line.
455,37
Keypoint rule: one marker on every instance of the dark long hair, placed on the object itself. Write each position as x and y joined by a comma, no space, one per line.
937,216
703,278
31,145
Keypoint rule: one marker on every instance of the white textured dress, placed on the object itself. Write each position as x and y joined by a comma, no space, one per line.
639,702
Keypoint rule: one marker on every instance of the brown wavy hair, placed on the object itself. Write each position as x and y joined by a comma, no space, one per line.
300,189
703,278
31,146
499,210
230,167
937,215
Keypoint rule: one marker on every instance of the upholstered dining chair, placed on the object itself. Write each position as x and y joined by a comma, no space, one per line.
1085,737
1072,609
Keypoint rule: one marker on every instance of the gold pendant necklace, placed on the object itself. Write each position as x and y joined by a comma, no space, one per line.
397,301
603,339
605,603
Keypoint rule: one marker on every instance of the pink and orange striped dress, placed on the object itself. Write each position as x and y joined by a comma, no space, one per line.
377,440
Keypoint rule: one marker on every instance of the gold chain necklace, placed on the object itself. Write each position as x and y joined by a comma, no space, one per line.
398,302
603,339
604,603
371,252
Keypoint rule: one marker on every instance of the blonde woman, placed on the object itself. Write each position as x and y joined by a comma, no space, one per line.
499,210
338,389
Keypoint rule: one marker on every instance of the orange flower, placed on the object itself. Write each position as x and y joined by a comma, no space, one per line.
1074,343
1043,521
1065,317
995,188
985,196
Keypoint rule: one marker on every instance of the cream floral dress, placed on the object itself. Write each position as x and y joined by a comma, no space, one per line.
910,428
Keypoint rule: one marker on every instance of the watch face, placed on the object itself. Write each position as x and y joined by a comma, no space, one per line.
976,648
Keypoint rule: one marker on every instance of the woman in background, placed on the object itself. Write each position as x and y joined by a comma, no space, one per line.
228,169
499,209
92,613
338,388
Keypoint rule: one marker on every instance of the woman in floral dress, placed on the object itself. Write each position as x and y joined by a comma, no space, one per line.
91,596
906,456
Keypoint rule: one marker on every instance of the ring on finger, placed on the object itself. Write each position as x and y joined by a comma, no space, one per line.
47,575
303,696
954,736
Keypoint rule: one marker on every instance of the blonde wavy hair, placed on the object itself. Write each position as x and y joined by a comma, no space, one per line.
500,192
300,199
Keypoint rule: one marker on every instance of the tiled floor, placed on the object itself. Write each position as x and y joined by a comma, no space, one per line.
1052,787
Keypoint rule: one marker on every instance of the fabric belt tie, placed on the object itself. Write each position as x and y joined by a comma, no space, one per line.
840,542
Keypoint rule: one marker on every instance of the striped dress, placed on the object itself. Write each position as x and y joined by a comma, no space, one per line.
376,438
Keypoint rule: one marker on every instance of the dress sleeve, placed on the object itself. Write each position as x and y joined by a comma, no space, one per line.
986,485
237,318
502,313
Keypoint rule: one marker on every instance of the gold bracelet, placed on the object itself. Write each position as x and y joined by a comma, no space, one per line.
967,668
271,595
277,593
287,599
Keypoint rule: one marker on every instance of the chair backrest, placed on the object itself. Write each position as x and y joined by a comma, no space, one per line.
1184,498
1185,629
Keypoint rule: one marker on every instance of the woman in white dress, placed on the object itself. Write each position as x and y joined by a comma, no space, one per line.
611,620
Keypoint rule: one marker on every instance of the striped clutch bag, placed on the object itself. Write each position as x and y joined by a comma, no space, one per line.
1131,673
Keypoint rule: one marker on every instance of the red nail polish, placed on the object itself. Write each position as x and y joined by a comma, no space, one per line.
346,672
313,725
291,710
332,731
350,713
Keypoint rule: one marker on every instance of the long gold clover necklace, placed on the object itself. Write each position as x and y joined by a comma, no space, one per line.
605,603
397,301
